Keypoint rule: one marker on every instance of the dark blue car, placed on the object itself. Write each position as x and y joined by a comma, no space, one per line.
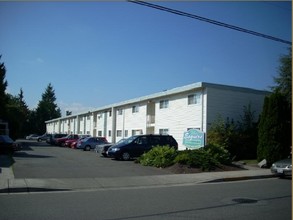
136,145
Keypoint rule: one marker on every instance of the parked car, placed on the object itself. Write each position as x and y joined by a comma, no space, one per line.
136,145
90,143
7,145
103,148
72,142
61,141
52,138
282,167
32,137
43,137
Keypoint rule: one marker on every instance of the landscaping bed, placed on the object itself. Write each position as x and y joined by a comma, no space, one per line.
185,169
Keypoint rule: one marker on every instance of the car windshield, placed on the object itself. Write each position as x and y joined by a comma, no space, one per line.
121,141
86,139
129,140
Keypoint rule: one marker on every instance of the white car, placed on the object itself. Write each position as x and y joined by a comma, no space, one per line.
282,167
32,137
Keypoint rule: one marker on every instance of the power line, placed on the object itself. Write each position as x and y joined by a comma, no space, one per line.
177,12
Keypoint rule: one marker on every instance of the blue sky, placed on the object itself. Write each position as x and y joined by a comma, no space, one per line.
100,53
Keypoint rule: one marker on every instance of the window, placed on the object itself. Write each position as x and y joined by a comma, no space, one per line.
109,133
110,113
126,133
141,141
137,132
164,131
193,99
119,133
193,128
100,134
120,111
134,108
164,104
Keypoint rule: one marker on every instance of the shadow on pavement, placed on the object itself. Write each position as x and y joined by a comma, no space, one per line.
31,189
26,155
6,160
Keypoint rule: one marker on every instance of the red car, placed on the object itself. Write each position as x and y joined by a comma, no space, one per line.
61,141
69,142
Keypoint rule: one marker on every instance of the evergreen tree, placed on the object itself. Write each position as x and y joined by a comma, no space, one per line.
274,134
17,115
275,128
284,79
3,96
47,109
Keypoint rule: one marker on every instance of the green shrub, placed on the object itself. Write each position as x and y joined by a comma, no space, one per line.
207,158
219,153
159,156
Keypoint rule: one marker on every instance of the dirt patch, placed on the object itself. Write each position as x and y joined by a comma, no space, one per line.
181,169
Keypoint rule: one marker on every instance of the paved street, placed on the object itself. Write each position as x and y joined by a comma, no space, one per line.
58,183
267,199
40,160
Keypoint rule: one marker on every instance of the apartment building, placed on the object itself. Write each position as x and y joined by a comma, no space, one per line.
173,112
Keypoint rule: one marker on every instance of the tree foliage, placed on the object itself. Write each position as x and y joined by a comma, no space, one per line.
284,79
47,109
275,128
17,115
3,86
240,138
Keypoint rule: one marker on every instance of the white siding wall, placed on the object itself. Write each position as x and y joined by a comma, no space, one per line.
132,121
88,124
100,124
230,104
50,128
109,125
81,124
178,117
120,123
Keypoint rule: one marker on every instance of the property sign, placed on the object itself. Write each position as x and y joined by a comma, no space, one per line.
193,139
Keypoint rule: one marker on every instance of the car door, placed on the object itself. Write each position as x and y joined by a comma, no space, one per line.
139,146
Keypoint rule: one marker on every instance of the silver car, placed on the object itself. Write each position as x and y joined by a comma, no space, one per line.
90,143
282,167
102,148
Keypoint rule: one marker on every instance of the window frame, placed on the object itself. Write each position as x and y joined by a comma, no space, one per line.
164,103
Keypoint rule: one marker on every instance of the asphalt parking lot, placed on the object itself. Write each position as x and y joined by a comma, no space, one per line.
40,160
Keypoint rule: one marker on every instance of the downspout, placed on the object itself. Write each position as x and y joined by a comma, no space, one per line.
113,125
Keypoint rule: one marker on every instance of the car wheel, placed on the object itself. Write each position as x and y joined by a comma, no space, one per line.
125,156
87,148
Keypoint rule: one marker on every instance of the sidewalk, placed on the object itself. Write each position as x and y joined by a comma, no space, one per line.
9,184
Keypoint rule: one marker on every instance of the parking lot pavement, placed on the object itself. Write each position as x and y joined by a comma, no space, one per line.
116,174
44,161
